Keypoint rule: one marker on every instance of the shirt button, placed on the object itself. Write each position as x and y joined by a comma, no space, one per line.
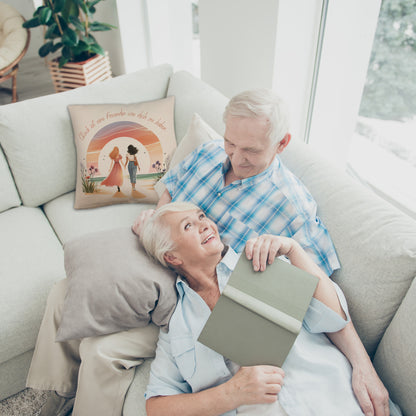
219,194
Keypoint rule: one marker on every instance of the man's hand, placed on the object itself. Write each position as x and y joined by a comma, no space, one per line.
141,219
255,385
264,249
370,392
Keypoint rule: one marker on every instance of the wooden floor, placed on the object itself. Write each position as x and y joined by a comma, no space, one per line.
33,80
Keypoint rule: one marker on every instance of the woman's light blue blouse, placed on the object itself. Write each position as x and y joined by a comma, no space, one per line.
317,375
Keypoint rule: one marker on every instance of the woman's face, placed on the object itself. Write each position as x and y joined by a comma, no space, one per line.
195,236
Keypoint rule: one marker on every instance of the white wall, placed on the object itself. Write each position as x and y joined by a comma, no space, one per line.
111,40
245,46
132,45
238,42
170,33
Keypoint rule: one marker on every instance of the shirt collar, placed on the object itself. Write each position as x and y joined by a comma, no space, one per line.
252,180
224,269
229,260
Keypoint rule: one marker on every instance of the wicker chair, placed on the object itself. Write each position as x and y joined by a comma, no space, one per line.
14,42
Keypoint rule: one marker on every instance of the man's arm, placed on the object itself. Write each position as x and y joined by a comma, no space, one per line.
368,388
164,199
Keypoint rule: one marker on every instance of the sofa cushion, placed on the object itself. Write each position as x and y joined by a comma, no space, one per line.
9,196
70,223
195,96
31,260
103,133
198,133
394,359
41,150
134,404
374,241
113,286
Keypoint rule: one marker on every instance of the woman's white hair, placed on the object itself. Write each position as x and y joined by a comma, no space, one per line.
156,235
261,103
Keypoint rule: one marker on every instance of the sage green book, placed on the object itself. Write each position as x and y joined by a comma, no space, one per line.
259,314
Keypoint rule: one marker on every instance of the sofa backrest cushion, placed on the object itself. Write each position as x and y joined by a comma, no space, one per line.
37,137
9,197
195,96
374,241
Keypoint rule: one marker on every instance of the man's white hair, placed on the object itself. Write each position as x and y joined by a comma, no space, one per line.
156,235
261,104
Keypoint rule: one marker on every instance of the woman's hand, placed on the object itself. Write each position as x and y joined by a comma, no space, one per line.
255,385
264,249
141,219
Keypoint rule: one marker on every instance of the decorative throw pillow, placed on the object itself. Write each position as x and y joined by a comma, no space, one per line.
113,286
198,133
122,151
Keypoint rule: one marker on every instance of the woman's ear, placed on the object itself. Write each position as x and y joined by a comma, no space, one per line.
170,258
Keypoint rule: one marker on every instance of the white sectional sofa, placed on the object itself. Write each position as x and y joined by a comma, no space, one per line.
376,243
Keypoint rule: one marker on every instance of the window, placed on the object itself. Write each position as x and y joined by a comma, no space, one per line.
383,147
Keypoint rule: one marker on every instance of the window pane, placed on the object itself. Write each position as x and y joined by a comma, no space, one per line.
383,150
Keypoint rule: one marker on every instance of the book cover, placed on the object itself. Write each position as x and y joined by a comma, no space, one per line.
259,314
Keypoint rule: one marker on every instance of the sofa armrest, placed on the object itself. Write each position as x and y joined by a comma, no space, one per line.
394,358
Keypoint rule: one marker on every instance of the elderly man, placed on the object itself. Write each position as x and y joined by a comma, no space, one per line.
242,185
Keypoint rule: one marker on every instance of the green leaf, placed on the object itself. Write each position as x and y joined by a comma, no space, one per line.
70,37
44,15
77,23
58,5
82,5
100,27
82,47
66,52
63,23
52,32
57,46
91,6
79,52
70,9
96,48
89,40
34,22
62,61
92,3
45,49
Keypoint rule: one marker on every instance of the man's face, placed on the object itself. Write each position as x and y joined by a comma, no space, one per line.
247,146
195,236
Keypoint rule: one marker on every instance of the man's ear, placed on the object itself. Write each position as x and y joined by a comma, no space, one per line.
170,258
283,143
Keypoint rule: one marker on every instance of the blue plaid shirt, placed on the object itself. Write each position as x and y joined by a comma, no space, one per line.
272,202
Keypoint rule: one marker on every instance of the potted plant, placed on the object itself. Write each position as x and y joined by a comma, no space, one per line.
68,27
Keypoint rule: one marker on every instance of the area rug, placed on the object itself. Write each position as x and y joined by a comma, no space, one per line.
26,403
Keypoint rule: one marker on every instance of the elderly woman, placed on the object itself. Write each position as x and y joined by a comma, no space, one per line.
187,378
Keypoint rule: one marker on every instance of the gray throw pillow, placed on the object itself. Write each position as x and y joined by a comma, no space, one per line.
113,286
